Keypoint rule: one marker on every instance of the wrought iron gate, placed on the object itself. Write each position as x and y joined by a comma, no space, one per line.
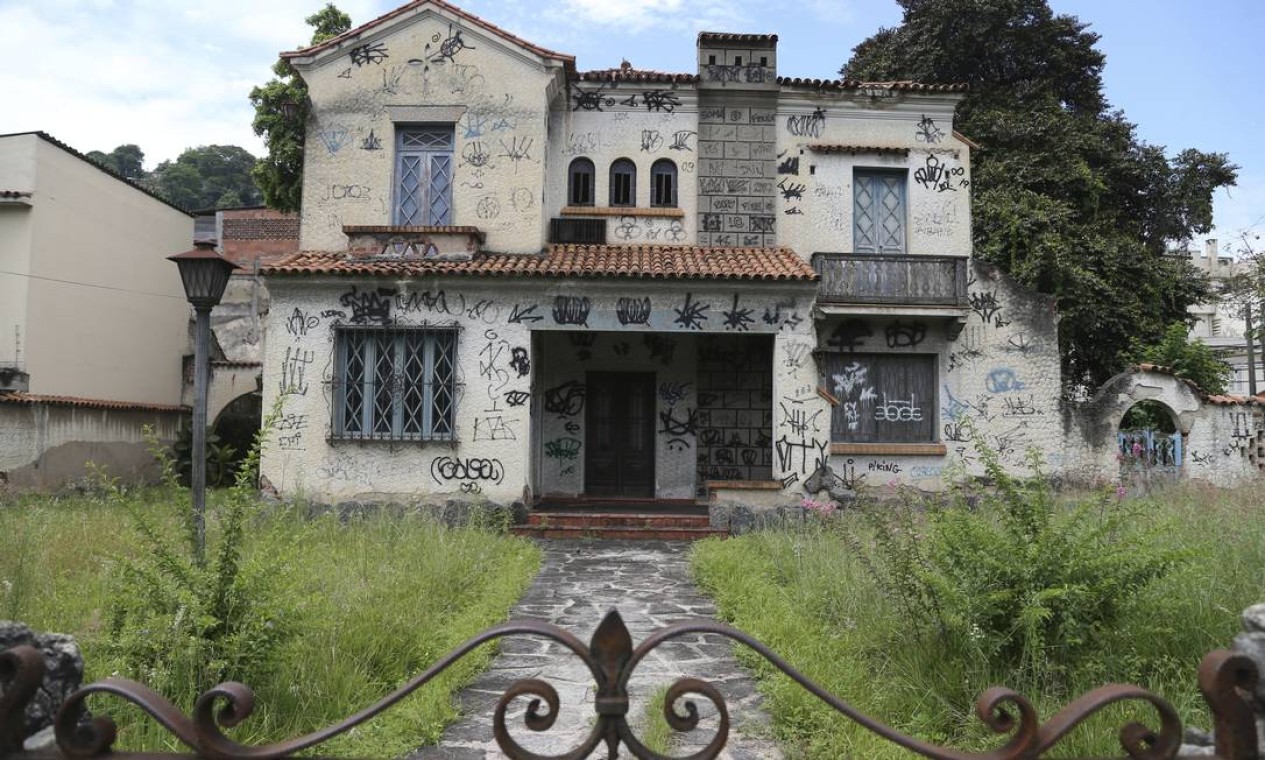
1226,680
1150,451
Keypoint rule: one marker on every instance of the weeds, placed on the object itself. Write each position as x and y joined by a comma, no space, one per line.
910,609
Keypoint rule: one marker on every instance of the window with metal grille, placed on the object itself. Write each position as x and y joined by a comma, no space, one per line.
395,383
580,182
423,176
883,398
623,183
878,211
663,183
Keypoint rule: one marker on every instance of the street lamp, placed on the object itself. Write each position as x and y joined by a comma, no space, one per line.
205,275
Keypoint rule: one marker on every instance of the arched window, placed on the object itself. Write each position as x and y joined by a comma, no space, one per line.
580,183
623,183
663,183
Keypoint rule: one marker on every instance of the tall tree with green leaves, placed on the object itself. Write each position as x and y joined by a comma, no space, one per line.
128,160
209,176
281,110
1066,198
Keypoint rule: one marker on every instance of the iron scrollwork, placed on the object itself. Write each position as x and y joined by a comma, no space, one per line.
611,658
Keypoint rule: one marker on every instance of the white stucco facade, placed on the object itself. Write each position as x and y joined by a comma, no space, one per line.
690,310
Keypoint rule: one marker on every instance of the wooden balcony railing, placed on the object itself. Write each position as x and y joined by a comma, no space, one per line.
868,278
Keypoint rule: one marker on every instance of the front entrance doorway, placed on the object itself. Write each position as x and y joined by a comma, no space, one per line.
619,433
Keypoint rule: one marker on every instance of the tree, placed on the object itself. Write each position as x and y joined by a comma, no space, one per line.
128,160
1067,199
209,176
1193,360
281,110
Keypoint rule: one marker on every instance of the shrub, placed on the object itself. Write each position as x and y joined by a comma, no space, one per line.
182,624
1012,574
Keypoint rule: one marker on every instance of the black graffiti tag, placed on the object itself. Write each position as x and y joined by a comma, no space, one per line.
467,469
572,310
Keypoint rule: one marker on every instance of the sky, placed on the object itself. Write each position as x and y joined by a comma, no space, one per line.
173,74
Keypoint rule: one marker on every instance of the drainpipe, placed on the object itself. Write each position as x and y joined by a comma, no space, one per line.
1261,335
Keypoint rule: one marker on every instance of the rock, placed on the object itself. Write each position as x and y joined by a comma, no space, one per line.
1189,750
825,479
1254,619
63,671
1198,737
1253,645
45,738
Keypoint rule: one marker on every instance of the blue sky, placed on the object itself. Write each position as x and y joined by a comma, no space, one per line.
170,74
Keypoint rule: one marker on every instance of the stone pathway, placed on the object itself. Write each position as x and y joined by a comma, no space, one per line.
649,582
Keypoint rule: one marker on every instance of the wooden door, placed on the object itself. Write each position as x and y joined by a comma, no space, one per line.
619,434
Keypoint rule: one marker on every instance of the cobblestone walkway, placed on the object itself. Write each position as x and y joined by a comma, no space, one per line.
649,582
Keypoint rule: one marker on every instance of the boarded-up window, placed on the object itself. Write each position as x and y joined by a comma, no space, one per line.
883,398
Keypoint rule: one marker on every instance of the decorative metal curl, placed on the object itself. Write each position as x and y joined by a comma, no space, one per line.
612,660
21,672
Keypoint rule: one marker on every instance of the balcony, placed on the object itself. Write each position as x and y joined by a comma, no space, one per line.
891,280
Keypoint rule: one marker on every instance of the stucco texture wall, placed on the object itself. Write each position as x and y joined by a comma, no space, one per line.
509,386
106,316
47,445
427,71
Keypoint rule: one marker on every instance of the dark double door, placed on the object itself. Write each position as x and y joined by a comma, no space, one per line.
619,434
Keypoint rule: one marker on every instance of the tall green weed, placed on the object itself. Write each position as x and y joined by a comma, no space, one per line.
1011,573
181,624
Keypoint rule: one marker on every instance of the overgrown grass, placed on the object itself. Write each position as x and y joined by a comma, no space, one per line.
811,599
375,600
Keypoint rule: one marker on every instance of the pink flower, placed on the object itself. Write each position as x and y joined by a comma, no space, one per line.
1121,492
1137,449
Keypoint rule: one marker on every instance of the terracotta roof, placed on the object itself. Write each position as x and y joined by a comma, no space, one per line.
569,60
620,261
21,397
854,149
54,141
728,38
856,84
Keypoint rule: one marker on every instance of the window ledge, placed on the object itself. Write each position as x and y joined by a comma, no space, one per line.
665,211
336,439
745,485
896,449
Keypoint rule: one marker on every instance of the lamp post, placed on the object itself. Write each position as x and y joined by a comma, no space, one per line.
205,275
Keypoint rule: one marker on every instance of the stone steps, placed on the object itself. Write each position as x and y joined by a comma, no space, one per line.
617,525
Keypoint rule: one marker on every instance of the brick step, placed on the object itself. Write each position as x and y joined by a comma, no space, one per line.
616,532
615,520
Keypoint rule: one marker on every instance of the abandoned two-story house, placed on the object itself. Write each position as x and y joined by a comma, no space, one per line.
521,280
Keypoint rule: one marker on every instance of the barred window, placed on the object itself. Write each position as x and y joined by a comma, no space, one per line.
878,211
395,383
423,176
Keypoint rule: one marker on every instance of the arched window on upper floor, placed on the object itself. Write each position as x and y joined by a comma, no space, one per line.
623,183
580,182
663,183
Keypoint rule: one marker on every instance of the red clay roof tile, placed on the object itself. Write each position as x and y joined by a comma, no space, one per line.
22,397
620,261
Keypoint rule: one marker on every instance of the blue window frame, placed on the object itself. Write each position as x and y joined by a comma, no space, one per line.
423,176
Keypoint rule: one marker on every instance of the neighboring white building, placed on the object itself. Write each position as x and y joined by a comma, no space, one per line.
93,318
1221,323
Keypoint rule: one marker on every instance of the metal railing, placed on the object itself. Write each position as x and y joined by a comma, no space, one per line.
870,278
1226,680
